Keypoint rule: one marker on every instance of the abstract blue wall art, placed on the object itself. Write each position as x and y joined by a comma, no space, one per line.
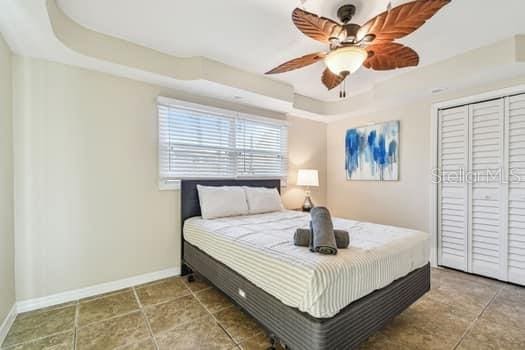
372,152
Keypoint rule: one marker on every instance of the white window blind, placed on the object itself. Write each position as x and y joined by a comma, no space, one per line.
202,142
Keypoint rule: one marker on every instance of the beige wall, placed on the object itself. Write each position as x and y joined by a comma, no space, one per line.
404,203
88,207
400,203
7,277
307,150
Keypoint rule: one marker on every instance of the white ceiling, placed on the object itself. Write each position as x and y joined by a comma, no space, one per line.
255,35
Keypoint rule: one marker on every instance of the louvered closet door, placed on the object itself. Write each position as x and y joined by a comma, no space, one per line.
516,208
453,203
486,192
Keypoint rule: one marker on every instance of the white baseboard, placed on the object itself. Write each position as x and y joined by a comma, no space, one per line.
7,323
73,295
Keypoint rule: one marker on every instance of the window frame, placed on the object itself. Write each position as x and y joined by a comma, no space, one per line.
174,183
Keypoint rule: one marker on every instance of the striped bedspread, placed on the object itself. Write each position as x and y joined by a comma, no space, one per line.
260,248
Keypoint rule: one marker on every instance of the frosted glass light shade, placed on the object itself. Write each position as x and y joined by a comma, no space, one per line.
346,59
307,177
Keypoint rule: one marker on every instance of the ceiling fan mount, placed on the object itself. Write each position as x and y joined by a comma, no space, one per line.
346,12
350,46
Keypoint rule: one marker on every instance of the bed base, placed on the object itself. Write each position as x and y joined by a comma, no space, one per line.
299,330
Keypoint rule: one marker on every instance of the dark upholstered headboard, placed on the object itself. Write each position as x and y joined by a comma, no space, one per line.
189,197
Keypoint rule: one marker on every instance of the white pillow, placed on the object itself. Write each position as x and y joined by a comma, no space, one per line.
217,202
263,200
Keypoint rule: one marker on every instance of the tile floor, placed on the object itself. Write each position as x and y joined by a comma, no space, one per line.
460,312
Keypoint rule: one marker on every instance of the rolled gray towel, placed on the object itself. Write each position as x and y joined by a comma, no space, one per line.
311,239
302,238
323,238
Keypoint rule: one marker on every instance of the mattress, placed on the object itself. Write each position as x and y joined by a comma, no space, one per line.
260,248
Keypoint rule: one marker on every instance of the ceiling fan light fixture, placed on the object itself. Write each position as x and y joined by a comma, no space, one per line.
346,59
351,46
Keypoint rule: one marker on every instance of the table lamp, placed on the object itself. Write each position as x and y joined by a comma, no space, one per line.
308,178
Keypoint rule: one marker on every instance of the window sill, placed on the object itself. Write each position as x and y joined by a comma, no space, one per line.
169,185
174,185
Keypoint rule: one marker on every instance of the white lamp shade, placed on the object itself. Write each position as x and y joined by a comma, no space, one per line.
307,177
346,59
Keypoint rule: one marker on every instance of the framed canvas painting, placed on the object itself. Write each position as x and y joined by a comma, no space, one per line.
372,152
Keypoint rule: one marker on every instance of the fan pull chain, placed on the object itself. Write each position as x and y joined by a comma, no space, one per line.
389,6
342,90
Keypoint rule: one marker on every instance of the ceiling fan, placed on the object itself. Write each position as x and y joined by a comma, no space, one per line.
352,46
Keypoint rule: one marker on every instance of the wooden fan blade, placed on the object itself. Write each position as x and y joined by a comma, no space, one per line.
331,80
401,20
390,56
297,63
317,28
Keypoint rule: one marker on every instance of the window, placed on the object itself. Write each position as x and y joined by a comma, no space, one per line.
202,142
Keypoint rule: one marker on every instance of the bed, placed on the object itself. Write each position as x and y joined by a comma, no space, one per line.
306,300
